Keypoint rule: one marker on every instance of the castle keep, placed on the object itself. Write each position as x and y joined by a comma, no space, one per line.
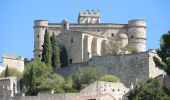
88,36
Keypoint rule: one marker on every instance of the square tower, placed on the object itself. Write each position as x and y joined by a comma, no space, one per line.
89,17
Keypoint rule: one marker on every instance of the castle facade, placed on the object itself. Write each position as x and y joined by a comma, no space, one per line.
88,36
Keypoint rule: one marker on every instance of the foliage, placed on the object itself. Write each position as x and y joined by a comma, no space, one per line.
114,47
53,81
109,78
85,76
47,49
158,63
33,76
63,57
148,91
55,52
8,72
164,51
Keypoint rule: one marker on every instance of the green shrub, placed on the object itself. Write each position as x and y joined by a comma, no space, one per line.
109,78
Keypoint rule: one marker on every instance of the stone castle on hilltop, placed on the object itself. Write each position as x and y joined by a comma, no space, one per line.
88,36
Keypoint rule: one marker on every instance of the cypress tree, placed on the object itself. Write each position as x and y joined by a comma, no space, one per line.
55,52
32,82
47,51
63,57
7,73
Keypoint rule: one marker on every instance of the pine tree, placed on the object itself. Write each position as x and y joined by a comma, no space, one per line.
7,73
47,50
55,52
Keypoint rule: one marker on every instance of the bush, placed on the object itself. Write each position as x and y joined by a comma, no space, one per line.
109,78
85,75
11,72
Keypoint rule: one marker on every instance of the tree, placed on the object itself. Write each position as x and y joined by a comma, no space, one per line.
115,47
32,82
85,76
47,49
33,76
8,72
164,51
63,57
148,91
55,52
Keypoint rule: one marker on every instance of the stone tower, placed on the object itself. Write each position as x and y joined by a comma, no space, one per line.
39,31
137,34
89,17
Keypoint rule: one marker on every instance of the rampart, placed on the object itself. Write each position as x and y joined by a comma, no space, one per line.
130,68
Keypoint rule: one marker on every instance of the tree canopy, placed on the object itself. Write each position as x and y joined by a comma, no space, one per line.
164,51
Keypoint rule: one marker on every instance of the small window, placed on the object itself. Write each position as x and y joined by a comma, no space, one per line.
72,40
98,30
113,34
38,36
39,56
132,36
70,61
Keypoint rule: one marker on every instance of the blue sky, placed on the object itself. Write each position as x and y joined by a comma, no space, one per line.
17,16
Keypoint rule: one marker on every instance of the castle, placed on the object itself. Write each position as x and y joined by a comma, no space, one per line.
85,43
88,36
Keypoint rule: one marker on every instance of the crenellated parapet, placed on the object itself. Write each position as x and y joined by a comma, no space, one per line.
89,17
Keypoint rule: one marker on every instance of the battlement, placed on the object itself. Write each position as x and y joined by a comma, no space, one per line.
90,13
89,17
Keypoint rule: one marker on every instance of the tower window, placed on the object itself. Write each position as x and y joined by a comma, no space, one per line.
39,56
113,34
132,36
72,40
70,61
38,36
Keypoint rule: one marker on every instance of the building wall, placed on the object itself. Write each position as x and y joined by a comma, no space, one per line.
13,61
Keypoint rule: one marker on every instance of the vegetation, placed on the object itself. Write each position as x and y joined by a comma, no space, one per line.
33,76
55,52
116,48
164,51
148,91
8,72
109,78
87,75
47,49
63,57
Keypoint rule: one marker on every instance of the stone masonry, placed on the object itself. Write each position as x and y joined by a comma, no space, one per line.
88,36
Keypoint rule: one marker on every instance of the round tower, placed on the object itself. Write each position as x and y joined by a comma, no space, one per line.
137,34
39,31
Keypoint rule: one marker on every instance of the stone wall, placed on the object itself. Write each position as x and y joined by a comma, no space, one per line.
130,68
117,90
13,61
